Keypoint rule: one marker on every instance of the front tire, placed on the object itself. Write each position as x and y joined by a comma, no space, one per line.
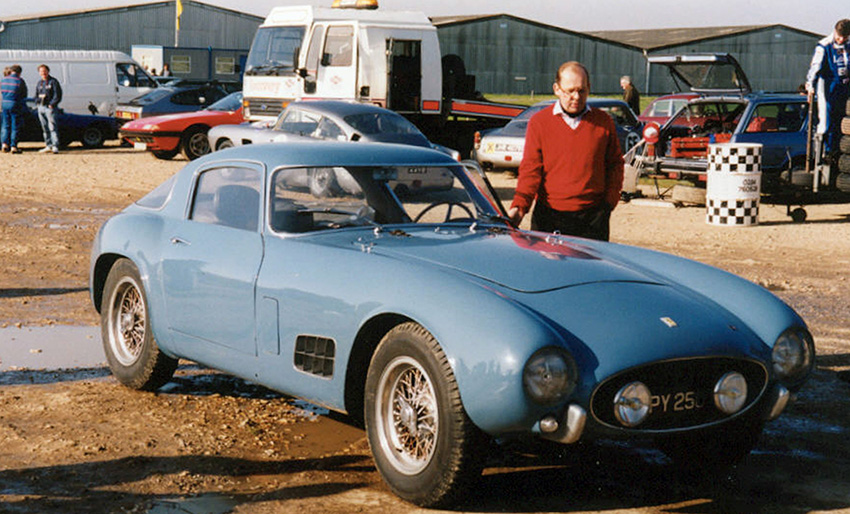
165,155
195,143
131,351
93,137
425,446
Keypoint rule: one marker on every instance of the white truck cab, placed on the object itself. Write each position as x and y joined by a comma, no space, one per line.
387,58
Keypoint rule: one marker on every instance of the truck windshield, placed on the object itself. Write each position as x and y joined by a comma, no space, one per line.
273,50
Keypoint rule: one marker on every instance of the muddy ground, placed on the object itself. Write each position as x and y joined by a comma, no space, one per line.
76,441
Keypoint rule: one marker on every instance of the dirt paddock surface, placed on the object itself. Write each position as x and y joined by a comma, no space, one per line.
77,441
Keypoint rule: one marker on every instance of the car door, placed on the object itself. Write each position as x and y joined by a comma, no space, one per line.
211,263
337,73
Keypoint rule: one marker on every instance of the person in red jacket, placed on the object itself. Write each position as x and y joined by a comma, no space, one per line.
572,164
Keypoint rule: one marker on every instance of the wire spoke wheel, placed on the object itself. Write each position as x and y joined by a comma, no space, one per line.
408,421
127,323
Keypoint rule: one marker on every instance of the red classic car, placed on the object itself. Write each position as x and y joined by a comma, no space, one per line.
167,135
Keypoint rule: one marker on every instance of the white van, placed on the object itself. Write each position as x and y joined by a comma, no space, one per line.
93,81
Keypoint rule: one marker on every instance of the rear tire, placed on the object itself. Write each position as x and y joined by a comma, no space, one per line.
425,446
131,351
92,137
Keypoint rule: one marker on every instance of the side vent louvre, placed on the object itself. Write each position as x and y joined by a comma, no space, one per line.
315,355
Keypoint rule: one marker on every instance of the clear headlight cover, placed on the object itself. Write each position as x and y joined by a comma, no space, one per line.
730,393
793,355
549,376
632,404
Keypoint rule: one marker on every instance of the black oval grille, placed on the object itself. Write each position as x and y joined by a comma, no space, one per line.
682,391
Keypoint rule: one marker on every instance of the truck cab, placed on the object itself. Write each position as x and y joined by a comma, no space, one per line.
387,58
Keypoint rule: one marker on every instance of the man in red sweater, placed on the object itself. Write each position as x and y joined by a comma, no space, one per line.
571,164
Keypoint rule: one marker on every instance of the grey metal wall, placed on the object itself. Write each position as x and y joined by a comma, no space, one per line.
774,58
201,25
513,56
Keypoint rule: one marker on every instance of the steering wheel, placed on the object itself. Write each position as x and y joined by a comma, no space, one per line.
448,212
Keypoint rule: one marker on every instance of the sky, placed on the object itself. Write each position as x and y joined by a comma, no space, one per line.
818,16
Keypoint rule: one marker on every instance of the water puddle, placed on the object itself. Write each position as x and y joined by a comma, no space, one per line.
50,348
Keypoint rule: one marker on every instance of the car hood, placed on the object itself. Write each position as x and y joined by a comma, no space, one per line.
521,261
180,118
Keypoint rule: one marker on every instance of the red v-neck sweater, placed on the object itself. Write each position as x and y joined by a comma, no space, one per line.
569,169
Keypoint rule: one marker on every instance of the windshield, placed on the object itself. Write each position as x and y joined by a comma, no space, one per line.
273,50
153,96
231,102
315,199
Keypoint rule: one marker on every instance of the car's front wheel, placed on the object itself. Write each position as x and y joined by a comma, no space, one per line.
165,154
93,137
195,143
131,351
425,446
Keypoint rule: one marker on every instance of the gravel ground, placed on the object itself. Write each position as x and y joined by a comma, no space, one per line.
76,441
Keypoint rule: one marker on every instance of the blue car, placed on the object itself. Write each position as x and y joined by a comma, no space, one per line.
432,319
90,130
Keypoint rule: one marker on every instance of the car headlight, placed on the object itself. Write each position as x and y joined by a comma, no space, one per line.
632,404
549,376
730,393
793,356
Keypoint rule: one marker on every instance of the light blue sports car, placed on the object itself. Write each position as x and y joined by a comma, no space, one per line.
432,319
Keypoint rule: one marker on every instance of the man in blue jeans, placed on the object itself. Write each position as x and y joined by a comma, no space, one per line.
48,94
14,96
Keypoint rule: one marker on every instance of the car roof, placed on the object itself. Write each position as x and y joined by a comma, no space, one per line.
321,153
339,107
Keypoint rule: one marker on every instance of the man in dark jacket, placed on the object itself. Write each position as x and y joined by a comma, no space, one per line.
14,94
48,94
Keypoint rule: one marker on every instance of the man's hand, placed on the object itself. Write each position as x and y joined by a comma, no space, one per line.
514,215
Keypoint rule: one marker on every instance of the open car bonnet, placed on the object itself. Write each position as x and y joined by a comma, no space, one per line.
705,73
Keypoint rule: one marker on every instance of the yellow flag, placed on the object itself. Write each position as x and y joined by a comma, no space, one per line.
179,12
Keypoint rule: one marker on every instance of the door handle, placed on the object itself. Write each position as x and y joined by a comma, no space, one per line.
179,241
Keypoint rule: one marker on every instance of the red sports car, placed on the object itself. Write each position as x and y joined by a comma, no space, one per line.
167,135
663,107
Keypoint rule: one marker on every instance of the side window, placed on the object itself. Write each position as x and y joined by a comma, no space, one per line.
313,53
229,197
339,46
299,122
765,119
327,129
130,75
186,98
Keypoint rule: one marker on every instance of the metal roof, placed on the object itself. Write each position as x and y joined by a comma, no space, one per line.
653,39
75,12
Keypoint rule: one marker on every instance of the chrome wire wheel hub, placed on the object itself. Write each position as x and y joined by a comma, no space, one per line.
127,322
408,421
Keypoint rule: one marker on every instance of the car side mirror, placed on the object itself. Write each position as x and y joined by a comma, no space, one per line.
326,59
310,86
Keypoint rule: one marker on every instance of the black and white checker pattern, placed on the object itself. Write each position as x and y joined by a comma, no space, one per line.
730,157
732,212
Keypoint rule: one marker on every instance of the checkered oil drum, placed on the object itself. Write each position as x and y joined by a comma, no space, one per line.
734,184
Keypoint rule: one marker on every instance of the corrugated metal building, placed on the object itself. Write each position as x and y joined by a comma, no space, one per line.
153,23
510,55
774,57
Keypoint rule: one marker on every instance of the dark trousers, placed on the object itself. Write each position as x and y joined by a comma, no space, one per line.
590,223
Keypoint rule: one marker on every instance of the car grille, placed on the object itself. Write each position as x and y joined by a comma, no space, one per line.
315,355
682,392
265,106
138,139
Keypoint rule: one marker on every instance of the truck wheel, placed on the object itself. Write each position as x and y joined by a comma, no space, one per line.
425,446
799,215
194,143
131,351
93,137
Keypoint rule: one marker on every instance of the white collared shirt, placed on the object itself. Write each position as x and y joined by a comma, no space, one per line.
571,121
